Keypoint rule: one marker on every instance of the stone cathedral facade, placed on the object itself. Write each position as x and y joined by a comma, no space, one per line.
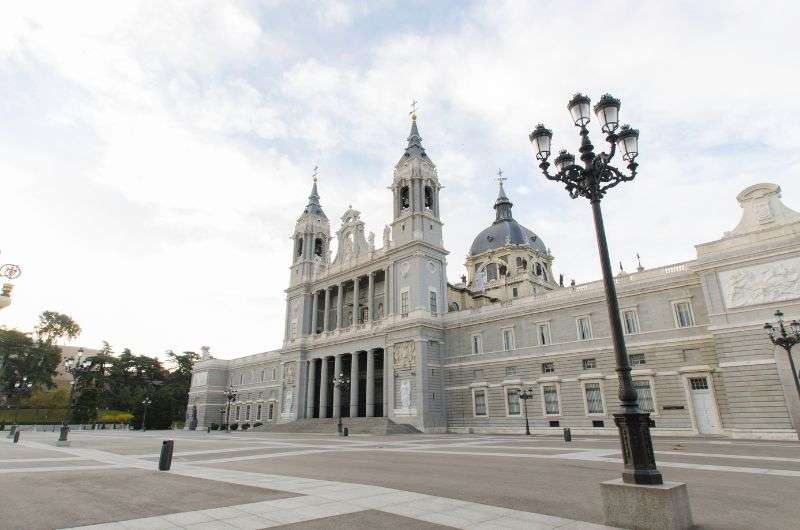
453,357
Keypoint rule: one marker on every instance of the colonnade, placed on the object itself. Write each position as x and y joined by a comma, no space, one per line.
367,395
334,317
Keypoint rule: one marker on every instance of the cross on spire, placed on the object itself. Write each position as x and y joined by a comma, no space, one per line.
316,173
500,177
413,109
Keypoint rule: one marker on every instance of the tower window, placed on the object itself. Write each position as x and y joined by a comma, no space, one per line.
404,197
299,246
318,246
428,197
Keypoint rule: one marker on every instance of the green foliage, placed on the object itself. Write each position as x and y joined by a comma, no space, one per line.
21,357
115,416
54,326
54,398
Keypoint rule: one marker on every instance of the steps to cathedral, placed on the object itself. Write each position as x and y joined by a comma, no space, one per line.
377,426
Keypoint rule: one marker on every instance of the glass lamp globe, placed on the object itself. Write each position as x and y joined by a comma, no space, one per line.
578,107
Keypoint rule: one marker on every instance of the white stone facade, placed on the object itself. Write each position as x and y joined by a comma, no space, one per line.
701,361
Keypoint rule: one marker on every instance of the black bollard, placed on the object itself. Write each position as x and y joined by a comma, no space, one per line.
345,431
165,462
62,436
16,436
2,425
208,429
567,434
12,431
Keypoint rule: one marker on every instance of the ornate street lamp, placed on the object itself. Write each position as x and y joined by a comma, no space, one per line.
20,389
525,394
591,180
76,366
10,271
221,417
230,396
342,384
146,402
785,336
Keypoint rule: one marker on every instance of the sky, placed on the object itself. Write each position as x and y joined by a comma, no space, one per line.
154,156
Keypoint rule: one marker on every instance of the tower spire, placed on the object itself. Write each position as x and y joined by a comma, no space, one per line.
313,206
502,205
414,139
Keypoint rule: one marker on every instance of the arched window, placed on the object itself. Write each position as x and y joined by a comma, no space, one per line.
544,272
538,269
299,246
491,271
318,246
404,197
453,306
428,197
503,270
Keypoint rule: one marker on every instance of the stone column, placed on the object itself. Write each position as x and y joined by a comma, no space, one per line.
371,297
339,305
370,384
314,308
310,380
354,382
327,309
355,301
323,388
387,291
386,390
337,392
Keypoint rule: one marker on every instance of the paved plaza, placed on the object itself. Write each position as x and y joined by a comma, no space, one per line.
108,479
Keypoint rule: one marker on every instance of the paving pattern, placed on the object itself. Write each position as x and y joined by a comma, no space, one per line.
321,481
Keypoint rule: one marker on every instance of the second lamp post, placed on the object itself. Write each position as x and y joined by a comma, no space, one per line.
592,179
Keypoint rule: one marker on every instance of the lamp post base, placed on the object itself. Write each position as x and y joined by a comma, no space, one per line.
637,448
662,507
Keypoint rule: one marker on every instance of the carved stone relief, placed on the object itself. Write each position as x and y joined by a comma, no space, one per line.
405,394
404,355
761,284
289,371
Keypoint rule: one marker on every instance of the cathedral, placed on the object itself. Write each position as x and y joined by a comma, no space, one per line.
379,336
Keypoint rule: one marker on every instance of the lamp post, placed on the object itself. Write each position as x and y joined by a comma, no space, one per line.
10,271
230,397
525,394
786,337
76,366
342,384
146,402
221,417
592,180
19,389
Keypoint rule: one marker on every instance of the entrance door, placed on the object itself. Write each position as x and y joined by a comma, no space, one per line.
703,403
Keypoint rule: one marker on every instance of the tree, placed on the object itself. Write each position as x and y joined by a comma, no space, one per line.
180,380
54,326
21,357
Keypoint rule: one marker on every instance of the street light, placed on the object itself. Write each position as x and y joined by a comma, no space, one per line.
525,394
20,388
785,337
592,180
146,402
342,384
10,271
221,416
230,397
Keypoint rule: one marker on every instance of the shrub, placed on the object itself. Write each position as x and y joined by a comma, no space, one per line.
234,426
214,427
257,424
115,416
245,426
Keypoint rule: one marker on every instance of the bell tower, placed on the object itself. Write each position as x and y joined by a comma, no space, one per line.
310,256
415,188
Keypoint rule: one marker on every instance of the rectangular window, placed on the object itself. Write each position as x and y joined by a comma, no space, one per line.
698,383
477,344
636,359
584,328
262,376
293,331
514,292
513,401
555,423
404,303
237,412
508,339
645,393
543,331
247,413
598,423
241,378
548,368
271,411
683,314
274,374
630,321
511,371
480,402
434,309
594,398
590,363
258,412
550,393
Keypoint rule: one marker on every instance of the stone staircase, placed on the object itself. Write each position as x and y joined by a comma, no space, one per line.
378,426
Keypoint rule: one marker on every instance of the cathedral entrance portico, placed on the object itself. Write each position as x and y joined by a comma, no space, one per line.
366,395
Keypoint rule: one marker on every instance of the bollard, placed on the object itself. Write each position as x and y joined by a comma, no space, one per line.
16,436
567,434
62,436
2,425
165,462
345,431
208,429
12,431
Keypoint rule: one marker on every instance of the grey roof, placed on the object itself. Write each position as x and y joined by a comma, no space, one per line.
414,141
505,230
313,206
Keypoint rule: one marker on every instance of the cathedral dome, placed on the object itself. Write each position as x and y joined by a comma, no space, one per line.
505,231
